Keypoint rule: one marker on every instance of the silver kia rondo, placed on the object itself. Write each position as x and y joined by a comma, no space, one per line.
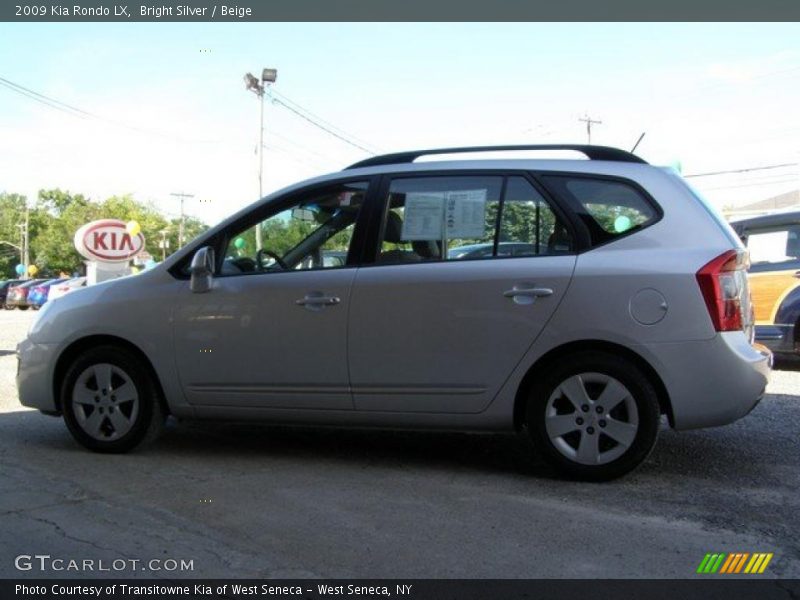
578,300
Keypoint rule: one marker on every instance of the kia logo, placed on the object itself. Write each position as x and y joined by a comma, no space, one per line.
107,241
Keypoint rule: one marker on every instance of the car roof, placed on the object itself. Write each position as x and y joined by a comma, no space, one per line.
773,220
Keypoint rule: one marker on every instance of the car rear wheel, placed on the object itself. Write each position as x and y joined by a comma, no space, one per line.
110,400
593,416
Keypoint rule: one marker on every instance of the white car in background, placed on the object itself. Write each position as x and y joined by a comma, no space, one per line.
66,287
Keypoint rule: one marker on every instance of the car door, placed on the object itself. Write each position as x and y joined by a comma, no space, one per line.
774,267
432,331
271,332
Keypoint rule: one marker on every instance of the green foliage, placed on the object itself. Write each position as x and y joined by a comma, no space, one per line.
58,214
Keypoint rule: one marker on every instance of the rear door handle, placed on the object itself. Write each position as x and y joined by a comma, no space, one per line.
528,292
524,295
312,301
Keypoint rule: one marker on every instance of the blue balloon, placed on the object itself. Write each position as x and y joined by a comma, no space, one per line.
20,269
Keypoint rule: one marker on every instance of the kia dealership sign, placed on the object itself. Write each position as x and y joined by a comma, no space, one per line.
108,241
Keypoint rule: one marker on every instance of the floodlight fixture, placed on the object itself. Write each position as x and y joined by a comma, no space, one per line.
269,75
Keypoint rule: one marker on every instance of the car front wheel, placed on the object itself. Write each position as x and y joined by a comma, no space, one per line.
110,400
593,416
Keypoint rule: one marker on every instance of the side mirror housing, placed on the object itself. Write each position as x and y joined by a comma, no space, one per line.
202,270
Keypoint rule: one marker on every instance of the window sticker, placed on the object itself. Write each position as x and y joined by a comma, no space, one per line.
423,218
450,215
466,214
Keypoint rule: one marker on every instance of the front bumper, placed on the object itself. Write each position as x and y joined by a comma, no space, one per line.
34,375
713,382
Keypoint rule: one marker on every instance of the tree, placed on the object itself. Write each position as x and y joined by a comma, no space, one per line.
57,217
58,214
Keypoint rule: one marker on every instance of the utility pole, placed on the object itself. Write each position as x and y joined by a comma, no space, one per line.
589,122
27,237
182,197
252,83
24,239
163,245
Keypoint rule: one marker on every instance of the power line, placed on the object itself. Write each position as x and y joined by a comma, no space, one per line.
330,131
758,183
746,170
319,119
41,99
79,112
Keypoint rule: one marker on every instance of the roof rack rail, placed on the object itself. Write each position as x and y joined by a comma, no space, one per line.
591,152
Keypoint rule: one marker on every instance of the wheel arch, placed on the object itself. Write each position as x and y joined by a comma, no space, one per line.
542,364
80,345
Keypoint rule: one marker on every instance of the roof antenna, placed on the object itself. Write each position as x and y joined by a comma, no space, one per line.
636,145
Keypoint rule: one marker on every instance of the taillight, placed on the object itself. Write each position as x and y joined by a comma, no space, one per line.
723,283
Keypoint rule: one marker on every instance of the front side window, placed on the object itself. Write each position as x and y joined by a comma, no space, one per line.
607,207
467,217
314,232
774,247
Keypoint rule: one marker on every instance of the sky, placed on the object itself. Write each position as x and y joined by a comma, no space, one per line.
165,108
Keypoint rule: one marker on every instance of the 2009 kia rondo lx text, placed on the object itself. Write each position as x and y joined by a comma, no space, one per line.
626,299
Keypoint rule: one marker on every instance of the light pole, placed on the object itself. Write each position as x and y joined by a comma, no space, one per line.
252,83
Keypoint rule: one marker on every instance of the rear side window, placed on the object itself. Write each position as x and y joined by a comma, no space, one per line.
462,217
608,208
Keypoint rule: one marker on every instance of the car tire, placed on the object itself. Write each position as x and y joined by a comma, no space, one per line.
110,400
22,306
593,416
8,306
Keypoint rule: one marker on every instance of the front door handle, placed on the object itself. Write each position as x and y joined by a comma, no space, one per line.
524,295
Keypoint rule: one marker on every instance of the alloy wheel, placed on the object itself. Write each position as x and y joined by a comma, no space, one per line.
105,402
591,418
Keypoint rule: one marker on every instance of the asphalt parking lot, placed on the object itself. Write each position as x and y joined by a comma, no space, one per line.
260,501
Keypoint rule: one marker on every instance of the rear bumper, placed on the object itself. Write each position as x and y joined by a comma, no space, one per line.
713,382
778,338
34,375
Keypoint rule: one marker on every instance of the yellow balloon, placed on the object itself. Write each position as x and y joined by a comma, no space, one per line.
133,228
33,270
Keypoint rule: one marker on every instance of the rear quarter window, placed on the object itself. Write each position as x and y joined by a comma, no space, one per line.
608,208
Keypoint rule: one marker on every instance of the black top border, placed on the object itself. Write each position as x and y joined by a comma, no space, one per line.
121,11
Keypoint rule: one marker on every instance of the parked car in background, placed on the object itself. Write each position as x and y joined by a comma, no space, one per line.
636,308
17,296
484,250
65,287
5,285
774,245
39,294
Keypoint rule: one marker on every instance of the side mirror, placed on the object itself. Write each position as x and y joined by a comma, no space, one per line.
202,270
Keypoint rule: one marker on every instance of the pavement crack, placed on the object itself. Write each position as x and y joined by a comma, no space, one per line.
60,530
